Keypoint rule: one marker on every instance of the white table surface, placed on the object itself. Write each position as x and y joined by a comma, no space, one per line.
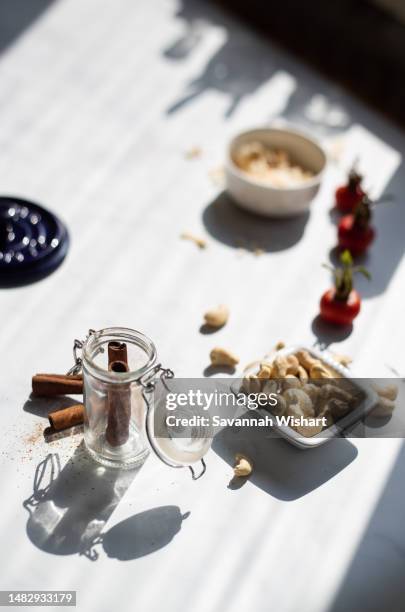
100,101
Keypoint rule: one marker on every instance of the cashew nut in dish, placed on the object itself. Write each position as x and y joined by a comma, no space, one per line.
297,398
302,374
280,367
223,357
329,391
306,360
291,382
338,407
265,371
293,364
251,384
326,413
294,410
217,317
243,465
315,367
270,386
313,391
280,408
280,345
343,360
253,364
270,389
319,371
309,388
266,364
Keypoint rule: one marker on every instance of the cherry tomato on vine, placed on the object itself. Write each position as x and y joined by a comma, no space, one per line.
337,311
341,304
349,195
353,236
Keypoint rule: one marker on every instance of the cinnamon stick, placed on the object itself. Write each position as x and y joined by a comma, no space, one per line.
67,417
119,408
117,351
49,385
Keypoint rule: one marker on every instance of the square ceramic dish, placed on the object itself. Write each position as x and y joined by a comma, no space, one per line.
368,402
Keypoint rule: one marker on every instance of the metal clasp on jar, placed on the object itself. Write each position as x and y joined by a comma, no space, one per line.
78,362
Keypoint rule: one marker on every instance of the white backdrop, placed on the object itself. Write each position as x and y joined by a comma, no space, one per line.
100,101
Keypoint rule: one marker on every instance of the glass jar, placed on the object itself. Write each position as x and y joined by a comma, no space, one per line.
120,370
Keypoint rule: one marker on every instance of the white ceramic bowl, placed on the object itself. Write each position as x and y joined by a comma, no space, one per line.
258,197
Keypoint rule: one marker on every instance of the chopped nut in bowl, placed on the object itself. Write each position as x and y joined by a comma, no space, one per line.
274,172
272,166
316,398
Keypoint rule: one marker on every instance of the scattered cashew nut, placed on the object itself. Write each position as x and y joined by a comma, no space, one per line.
384,408
200,242
389,391
243,465
386,403
217,317
223,357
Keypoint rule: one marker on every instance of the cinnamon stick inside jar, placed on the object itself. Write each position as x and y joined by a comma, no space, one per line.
117,351
50,385
67,417
119,403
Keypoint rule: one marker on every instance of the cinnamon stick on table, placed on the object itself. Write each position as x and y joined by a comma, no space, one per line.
119,399
67,417
50,385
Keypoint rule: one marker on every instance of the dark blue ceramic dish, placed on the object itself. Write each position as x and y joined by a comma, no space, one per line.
33,242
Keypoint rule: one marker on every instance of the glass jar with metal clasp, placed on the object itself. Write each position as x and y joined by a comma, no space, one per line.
122,421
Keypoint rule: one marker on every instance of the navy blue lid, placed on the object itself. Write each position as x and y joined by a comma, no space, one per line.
33,242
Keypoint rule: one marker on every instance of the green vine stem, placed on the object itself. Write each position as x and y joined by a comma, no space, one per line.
343,275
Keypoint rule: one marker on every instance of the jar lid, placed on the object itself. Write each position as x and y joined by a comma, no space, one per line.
181,440
33,242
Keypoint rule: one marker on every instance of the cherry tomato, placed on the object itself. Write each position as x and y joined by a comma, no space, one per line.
347,199
337,311
353,236
349,195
